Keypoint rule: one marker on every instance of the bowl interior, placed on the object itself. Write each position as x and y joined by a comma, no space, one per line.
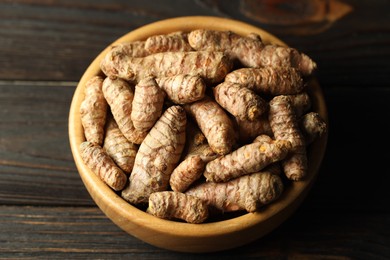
206,237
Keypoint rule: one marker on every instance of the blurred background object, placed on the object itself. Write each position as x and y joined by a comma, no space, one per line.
288,17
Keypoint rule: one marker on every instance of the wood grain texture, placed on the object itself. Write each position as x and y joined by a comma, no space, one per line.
36,166
52,233
63,37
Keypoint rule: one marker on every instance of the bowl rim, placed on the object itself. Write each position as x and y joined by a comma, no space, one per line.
120,211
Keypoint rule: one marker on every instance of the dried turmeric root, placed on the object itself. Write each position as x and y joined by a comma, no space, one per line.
176,205
285,126
93,111
102,165
249,192
247,159
241,102
250,51
301,103
131,49
283,57
176,41
239,48
119,96
183,89
268,80
211,66
116,145
186,173
312,126
147,104
214,124
157,156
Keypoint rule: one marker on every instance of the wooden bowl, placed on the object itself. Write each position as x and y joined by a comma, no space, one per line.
184,237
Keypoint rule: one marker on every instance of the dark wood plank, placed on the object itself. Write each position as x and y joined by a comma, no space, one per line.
61,38
36,165
46,232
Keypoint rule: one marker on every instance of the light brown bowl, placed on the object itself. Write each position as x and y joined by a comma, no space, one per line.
178,236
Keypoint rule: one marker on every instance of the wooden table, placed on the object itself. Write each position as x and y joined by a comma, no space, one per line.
45,211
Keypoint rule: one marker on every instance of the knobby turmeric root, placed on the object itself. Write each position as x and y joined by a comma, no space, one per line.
131,49
283,57
102,165
147,104
285,126
93,111
214,124
247,159
312,126
157,156
176,41
248,130
176,205
119,96
239,48
249,192
116,145
211,66
251,51
186,173
268,80
241,102
183,89
301,103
